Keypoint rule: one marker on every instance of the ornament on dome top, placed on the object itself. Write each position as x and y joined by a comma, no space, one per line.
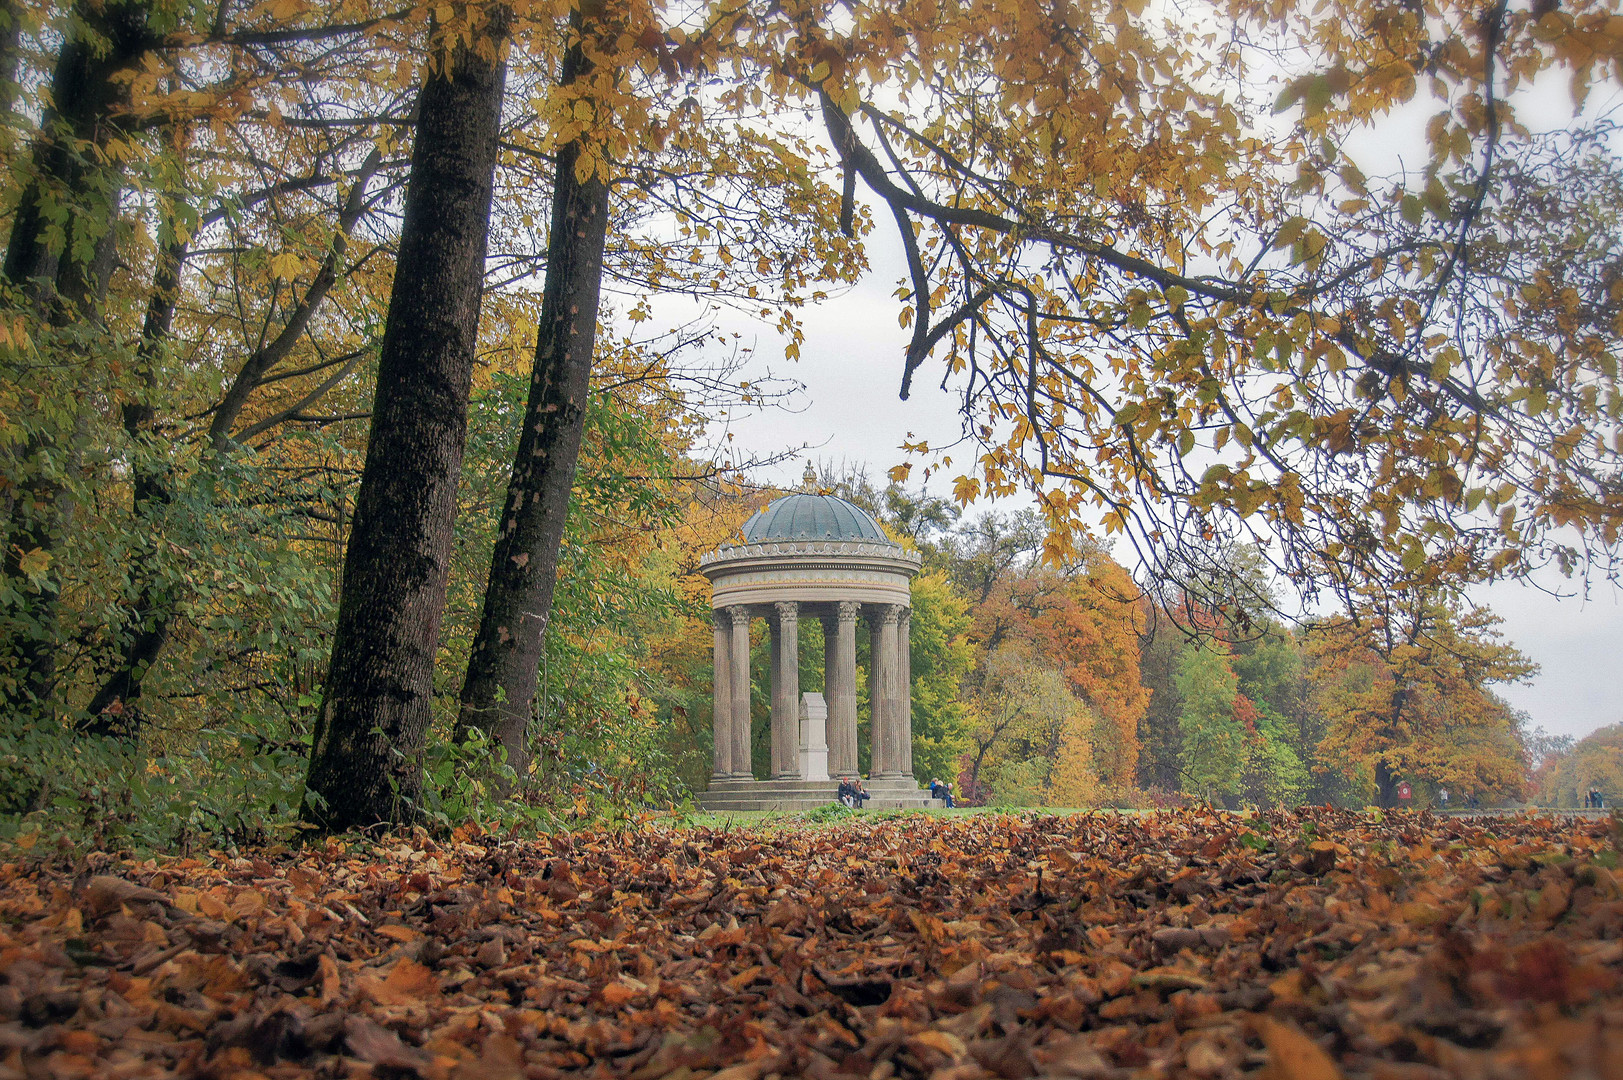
808,479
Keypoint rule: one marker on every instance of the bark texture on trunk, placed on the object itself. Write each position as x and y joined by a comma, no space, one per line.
364,758
1386,784
498,694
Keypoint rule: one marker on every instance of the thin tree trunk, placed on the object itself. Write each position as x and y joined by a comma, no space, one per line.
115,710
364,766
253,371
498,694
42,510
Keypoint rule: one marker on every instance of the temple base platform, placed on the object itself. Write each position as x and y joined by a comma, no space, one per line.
792,795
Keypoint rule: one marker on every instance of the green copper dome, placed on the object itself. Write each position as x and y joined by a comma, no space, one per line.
812,517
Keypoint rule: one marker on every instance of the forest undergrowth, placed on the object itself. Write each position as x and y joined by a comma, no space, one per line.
1317,944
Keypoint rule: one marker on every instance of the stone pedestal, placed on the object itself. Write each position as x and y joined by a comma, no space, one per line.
793,795
813,744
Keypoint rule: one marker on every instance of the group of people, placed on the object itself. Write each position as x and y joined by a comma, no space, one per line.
1594,800
851,793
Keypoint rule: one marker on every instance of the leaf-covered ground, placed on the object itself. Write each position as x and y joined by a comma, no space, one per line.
1316,945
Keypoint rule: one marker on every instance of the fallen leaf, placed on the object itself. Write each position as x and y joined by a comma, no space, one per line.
1292,1055
378,1046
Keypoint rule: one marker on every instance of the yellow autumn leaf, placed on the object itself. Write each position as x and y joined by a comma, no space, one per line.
286,266
34,563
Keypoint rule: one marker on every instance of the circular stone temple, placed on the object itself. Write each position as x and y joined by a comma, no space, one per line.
812,556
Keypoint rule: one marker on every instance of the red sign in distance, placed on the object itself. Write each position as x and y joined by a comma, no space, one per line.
1404,792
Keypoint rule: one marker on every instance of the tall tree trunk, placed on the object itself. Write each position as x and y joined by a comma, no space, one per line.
1386,781
498,694
364,766
115,709
74,182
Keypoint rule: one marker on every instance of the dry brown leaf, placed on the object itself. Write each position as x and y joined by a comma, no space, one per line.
1292,1055
104,893
378,1046
407,982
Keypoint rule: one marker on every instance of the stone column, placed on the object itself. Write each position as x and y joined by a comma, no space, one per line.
840,687
878,735
721,695
904,686
831,662
887,702
739,665
786,691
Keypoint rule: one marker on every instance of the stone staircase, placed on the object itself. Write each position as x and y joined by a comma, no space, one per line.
792,795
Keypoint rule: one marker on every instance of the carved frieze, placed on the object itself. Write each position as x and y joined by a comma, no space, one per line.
800,548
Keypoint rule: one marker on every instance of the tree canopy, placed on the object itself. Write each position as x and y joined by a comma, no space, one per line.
1185,294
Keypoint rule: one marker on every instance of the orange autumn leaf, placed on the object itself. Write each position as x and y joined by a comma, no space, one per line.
407,981
1292,1055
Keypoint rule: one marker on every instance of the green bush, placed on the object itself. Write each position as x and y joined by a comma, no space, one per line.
222,788
833,811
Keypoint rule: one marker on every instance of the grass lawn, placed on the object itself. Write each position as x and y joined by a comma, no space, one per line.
750,819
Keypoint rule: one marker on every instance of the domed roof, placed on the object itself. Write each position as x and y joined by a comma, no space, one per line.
803,516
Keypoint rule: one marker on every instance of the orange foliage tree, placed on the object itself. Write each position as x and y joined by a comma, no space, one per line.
1406,695
1085,621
